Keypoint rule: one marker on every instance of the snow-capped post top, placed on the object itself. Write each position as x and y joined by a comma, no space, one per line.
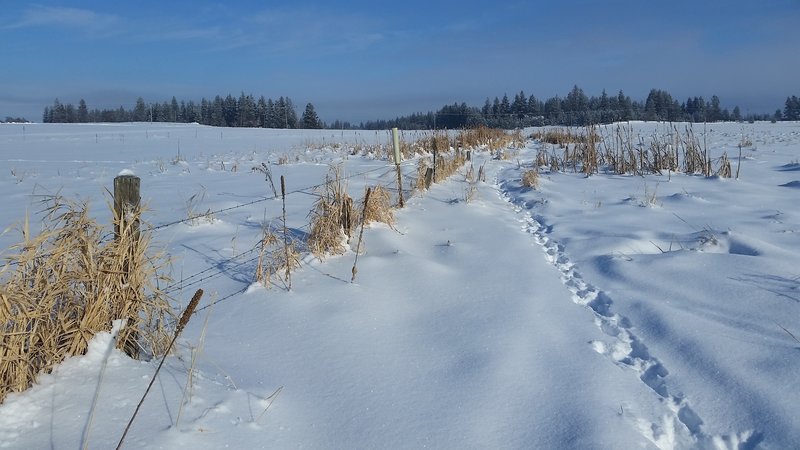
126,173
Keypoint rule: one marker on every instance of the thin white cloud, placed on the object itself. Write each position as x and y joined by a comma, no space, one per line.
304,28
43,16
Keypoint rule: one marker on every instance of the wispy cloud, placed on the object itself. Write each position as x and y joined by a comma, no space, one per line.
304,28
42,16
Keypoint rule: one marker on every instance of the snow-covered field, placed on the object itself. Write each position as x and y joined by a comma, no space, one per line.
611,311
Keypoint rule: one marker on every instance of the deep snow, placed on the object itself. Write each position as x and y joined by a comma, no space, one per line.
601,312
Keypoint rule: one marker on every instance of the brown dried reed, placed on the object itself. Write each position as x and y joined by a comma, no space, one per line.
330,217
68,283
530,178
272,258
379,207
622,153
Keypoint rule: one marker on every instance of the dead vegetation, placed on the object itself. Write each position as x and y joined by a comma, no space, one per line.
530,178
378,208
276,258
331,217
69,282
618,151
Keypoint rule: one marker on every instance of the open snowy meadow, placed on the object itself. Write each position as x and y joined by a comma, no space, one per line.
610,311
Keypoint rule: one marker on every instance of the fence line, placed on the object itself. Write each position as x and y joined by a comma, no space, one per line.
260,200
214,271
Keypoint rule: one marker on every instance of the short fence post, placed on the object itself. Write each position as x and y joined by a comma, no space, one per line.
126,203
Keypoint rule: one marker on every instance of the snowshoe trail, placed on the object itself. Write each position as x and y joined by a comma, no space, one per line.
680,421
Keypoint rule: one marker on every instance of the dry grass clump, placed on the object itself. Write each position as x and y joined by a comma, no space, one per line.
276,258
332,217
724,169
379,207
622,153
559,136
494,139
68,283
447,165
438,142
530,178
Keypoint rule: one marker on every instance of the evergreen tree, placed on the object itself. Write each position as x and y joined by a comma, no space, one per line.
714,110
552,111
310,118
534,106
520,105
205,111
273,119
486,111
791,111
261,112
58,112
83,112
576,106
505,106
217,113
230,111
140,113
496,108
174,110
625,106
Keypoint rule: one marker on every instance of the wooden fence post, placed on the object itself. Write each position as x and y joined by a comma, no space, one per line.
397,156
126,203
434,159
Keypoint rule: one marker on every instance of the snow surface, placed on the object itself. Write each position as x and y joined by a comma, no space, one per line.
602,312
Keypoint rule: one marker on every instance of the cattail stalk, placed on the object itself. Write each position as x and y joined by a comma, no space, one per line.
187,314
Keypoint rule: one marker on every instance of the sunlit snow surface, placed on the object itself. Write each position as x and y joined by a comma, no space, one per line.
602,312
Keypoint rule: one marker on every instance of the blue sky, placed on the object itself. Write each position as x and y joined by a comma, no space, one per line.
358,60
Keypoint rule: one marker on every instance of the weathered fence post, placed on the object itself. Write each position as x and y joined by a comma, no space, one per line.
127,201
434,159
397,156
428,177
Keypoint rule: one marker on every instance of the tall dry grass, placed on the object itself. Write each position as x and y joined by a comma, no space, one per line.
276,258
620,151
495,140
331,216
378,208
69,282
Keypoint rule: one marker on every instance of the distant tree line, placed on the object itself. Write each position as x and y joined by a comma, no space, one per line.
576,109
579,109
244,111
10,119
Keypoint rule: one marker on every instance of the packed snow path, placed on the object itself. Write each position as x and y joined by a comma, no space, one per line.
625,348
